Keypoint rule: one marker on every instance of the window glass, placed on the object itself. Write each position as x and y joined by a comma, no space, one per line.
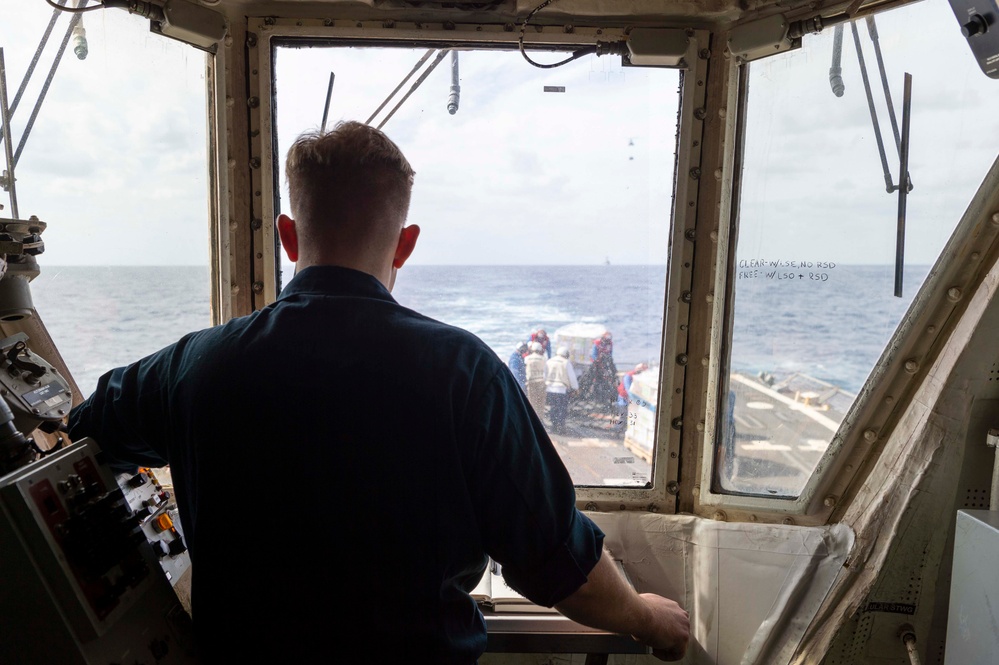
814,275
116,165
544,203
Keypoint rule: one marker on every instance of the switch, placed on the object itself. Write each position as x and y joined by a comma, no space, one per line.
138,480
177,547
163,523
976,26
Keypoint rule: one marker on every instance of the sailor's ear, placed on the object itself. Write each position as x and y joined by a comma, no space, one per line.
289,236
406,245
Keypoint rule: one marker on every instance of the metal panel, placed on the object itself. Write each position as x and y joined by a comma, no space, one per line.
972,629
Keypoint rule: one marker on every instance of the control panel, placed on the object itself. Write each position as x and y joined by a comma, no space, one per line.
978,25
149,494
85,565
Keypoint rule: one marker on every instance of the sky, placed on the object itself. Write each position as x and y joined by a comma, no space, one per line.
116,163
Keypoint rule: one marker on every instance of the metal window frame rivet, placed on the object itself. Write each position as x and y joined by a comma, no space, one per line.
253,102
673,487
704,53
590,506
677,423
258,287
829,501
255,224
995,218
870,435
681,359
700,113
788,521
720,516
254,162
695,172
911,365
251,39
753,518
690,234
954,294
686,296
931,329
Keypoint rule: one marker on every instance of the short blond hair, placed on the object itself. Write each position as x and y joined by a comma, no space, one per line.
348,183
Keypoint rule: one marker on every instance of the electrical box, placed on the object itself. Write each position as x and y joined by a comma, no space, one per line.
658,47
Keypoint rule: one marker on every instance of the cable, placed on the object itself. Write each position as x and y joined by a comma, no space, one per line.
575,55
75,10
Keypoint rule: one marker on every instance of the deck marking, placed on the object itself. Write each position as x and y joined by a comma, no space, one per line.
762,444
814,445
591,443
760,405
808,411
630,482
747,421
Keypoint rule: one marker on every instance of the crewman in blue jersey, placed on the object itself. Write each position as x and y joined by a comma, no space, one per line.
517,366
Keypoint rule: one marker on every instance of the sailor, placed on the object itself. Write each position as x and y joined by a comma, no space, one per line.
624,392
379,499
561,380
516,364
536,374
541,337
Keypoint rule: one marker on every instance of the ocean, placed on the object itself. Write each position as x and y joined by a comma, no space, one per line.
833,328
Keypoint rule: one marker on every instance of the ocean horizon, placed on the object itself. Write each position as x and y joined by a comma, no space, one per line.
834,329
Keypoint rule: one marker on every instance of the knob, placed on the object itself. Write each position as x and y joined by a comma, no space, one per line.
976,26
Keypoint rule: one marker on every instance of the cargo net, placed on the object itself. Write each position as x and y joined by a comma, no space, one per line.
595,404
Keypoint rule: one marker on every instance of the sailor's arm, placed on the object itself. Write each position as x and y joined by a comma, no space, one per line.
608,602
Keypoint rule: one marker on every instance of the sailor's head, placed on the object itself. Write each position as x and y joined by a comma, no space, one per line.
541,334
640,367
536,347
349,190
522,347
562,351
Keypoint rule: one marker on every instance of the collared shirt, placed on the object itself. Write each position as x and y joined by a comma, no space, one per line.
343,466
560,375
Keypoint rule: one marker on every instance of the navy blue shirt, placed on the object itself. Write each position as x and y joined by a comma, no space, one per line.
343,466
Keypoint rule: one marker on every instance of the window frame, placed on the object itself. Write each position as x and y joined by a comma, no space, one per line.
264,35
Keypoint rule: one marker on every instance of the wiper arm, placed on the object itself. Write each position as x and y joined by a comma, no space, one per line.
423,77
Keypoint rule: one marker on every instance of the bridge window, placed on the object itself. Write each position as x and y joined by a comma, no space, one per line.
814,270
544,201
116,165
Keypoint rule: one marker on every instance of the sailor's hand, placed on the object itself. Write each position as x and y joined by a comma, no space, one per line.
668,629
